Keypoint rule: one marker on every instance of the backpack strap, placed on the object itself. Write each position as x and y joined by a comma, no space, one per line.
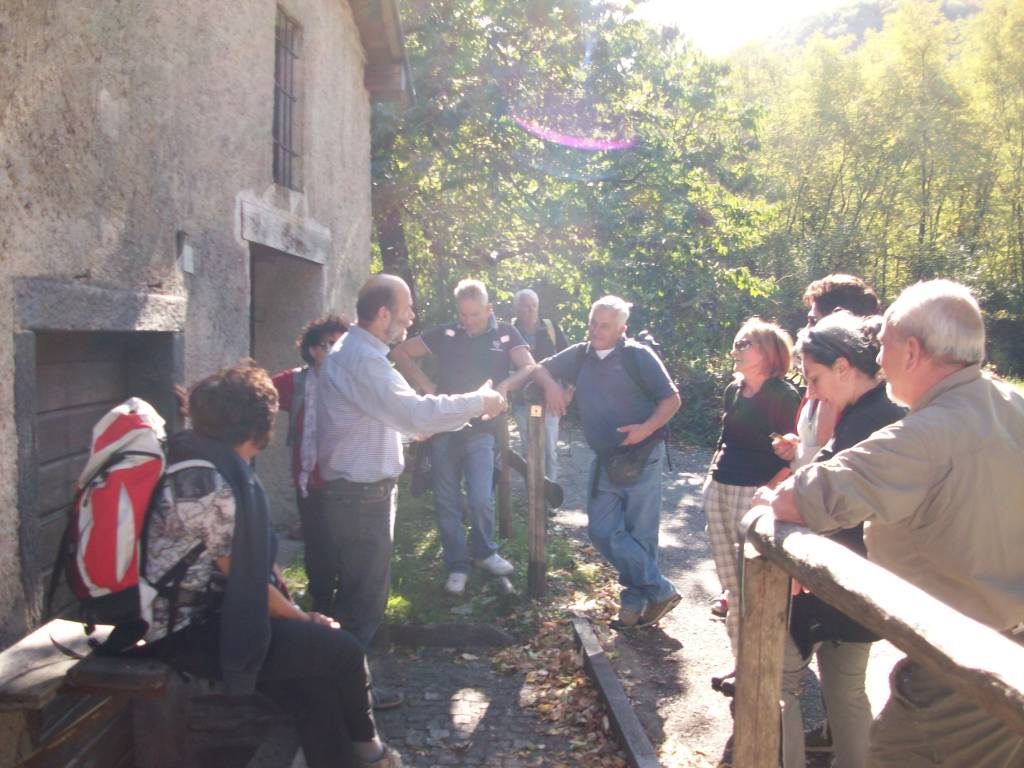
168,586
631,362
550,328
581,357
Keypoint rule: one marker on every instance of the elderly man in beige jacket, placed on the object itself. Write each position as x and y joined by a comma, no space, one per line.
942,490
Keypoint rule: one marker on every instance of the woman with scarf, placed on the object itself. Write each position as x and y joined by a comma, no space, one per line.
839,358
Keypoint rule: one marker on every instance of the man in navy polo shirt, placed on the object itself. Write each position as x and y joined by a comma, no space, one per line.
475,350
622,403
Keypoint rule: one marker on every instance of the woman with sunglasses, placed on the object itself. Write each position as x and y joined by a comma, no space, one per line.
759,402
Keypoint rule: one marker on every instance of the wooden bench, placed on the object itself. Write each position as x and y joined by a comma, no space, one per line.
56,709
62,707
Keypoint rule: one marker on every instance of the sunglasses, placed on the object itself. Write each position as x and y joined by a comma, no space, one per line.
741,344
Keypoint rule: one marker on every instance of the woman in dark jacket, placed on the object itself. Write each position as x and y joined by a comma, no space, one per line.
232,619
839,360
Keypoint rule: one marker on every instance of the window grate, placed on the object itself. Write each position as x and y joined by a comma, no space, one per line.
287,39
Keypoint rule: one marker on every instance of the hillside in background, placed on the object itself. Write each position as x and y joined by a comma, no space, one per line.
858,18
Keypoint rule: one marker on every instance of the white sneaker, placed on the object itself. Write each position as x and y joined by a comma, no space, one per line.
496,564
456,583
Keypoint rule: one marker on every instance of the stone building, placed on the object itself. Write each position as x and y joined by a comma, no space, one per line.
181,185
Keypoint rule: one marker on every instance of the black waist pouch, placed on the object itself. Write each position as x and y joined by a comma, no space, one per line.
625,465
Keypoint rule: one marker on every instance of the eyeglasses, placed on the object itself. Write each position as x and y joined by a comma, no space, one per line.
741,344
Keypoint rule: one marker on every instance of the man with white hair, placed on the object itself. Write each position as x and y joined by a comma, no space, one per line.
471,352
625,398
545,339
942,490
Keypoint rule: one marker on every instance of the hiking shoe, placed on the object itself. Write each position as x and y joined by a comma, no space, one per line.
386,698
456,583
628,618
818,738
389,759
720,607
496,565
554,495
655,611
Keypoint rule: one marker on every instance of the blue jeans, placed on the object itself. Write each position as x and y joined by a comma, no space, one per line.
623,523
521,413
471,455
362,523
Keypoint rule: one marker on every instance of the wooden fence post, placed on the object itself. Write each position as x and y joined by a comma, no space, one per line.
538,572
504,481
759,665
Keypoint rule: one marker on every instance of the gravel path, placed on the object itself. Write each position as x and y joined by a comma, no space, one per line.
667,669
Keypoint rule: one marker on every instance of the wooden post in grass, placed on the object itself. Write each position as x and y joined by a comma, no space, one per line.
504,481
538,572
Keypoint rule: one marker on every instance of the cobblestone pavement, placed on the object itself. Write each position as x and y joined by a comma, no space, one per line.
458,712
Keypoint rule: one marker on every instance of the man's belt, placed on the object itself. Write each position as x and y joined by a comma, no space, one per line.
387,483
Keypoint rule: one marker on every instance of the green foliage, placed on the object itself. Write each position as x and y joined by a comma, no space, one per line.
668,224
899,157
889,144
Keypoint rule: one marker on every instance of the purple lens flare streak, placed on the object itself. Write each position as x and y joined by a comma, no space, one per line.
586,143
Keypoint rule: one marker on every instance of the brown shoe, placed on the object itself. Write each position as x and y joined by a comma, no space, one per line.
655,611
628,618
388,759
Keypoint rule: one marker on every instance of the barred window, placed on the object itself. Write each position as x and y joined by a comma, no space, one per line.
287,152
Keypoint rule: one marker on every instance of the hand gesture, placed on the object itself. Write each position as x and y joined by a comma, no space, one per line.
784,446
556,399
635,433
319,618
494,401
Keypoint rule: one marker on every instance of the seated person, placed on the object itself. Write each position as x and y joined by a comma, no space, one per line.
230,619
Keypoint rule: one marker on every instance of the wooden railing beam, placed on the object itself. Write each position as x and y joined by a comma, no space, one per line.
974,659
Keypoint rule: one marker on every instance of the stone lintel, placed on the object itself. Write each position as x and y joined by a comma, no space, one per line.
43,304
285,232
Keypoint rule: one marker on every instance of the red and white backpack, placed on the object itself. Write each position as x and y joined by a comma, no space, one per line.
103,552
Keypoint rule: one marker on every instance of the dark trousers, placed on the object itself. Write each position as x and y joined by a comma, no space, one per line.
317,673
362,520
320,560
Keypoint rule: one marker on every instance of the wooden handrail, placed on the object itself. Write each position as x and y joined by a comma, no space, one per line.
976,660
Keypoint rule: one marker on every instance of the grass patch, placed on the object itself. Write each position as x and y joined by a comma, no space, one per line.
418,574
1017,384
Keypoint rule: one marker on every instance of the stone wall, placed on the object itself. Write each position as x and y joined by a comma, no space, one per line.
125,124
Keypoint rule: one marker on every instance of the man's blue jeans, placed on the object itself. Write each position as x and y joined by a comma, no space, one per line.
623,523
521,413
454,455
362,523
